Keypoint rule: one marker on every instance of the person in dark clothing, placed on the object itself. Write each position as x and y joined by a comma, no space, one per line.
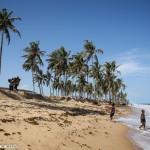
11,84
143,120
112,111
17,81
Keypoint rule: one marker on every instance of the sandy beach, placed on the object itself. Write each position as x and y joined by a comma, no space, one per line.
59,124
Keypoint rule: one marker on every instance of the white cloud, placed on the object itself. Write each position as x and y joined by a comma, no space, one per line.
134,62
133,68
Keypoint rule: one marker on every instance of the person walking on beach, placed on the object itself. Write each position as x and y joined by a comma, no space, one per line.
143,120
112,111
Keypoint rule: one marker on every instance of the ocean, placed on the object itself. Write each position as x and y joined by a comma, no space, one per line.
141,138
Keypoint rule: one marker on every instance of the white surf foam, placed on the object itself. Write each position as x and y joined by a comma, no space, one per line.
140,137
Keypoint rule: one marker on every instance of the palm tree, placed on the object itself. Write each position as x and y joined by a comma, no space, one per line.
69,87
91,50
78,64
81,83
6,25
95,73
51,65
56,85
48,78
89,89
59,60
118,88
38,78
105,88
87,71
33,59
110,76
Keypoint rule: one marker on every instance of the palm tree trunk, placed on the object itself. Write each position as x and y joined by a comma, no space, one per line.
88,86
33,82
58,91
1,51
65,83
49,89
39,87
42,88
95,89
53,90
109,93
65,76
105,97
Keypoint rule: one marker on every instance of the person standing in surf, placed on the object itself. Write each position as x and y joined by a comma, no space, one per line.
143,120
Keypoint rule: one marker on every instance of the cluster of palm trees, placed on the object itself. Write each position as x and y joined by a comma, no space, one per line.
80,75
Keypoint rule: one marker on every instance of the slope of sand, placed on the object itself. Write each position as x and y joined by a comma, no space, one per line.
33,124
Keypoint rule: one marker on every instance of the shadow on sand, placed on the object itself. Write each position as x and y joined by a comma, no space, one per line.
16,95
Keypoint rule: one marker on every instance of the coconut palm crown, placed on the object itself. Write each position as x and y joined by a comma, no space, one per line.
5,25
33,59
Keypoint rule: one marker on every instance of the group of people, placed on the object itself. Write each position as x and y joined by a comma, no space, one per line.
14,83
142,117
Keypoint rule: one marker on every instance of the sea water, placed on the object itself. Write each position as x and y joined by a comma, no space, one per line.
141,138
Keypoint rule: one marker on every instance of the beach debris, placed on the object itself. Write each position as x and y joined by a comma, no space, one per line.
86,145
106,132
95,103
7,134
60,120
63,144
82,111
8,120
67,122
90,133
1,130
19,133
81,144
31,120
81,136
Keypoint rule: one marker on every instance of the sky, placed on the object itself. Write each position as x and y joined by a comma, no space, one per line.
121,28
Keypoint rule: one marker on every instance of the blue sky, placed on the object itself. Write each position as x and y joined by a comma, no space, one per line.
120,27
